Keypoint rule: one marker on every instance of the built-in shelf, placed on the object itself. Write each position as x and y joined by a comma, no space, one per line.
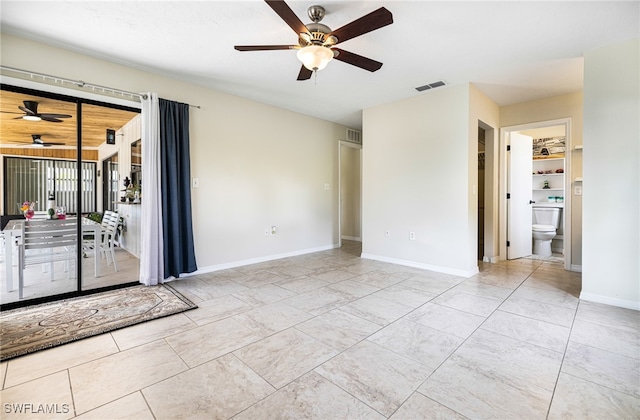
577,147
546,159
554,180
578,179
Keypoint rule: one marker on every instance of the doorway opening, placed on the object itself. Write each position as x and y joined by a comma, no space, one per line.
481,180
535,172
350,194
487,194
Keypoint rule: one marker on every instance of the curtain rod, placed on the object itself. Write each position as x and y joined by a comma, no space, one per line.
82,84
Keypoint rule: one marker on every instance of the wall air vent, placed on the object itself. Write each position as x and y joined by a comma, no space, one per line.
431,86
354,136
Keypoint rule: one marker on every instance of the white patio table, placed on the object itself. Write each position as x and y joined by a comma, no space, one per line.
13,231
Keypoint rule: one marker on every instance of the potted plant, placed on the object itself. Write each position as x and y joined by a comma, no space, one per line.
133,192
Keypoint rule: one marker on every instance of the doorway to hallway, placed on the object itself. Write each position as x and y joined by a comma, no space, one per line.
350,194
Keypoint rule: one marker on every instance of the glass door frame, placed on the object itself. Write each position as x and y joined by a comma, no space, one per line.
79,101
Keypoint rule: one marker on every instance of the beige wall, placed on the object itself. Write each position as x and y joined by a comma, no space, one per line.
557,107
259,166
611,249
420,175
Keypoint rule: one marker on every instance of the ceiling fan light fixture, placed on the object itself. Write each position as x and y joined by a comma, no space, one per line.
31,118
315,57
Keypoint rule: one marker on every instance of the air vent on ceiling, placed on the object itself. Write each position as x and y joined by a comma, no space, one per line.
354,136
431,86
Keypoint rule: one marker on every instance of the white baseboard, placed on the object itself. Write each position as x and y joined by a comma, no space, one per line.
576,267
446,270
628,304
241,263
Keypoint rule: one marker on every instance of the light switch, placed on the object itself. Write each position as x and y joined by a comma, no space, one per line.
195,183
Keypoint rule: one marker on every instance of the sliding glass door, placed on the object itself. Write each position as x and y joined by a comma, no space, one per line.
56,241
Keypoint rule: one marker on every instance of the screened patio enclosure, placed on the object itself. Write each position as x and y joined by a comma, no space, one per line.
36,179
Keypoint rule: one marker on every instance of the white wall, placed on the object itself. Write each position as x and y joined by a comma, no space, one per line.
125,135
259,166
419,169
611,214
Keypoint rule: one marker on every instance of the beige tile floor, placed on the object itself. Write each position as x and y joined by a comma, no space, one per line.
333,336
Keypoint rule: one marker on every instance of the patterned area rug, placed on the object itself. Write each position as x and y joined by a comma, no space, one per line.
34,328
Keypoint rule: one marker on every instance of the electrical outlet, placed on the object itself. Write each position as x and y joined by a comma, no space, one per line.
274,230
577,190
412,236
327,187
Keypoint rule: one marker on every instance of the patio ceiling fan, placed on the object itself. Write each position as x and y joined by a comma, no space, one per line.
317,42
36,141
30,110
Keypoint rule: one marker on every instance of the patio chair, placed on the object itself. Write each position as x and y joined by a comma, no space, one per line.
109,229
57,237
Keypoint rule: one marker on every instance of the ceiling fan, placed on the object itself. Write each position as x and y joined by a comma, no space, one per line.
36,141
316,41
30,110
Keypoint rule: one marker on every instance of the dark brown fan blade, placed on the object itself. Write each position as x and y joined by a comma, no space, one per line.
263,47
305,73
357,60
47,118
290,18
26,110
367,23
47,115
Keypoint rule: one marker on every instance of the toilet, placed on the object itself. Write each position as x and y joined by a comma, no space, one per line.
546,221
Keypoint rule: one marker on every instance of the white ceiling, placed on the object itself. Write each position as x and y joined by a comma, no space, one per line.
512,51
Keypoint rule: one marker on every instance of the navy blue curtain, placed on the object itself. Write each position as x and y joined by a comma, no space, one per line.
175,169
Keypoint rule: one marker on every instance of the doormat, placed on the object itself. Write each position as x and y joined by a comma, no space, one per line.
26,330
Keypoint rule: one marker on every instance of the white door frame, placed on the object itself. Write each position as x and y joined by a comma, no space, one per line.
504,141
353,146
